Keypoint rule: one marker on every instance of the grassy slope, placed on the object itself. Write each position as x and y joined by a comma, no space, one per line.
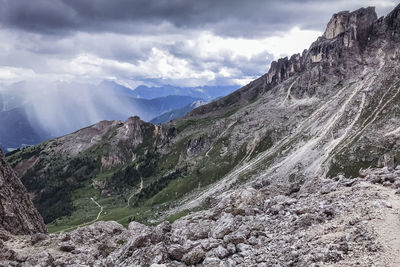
167,177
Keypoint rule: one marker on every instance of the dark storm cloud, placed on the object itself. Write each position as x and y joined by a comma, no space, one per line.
180,42
223,17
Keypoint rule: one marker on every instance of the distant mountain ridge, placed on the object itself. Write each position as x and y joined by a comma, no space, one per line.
25,122
177,113
204,92
17,131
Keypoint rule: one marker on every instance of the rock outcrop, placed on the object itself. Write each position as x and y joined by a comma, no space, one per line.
17,213
334,54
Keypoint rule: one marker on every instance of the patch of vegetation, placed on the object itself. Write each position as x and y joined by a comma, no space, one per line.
131,174
170,161
349,169
155,187
352,159
229,113
294,177
207,171
184,124
172,218
21,154
265,144
55,182
178,215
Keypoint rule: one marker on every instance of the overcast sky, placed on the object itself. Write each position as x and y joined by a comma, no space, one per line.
155,42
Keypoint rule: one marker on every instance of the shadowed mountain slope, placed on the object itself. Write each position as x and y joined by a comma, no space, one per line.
17,213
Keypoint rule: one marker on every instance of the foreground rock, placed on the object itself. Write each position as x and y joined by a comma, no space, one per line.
337,222
17,213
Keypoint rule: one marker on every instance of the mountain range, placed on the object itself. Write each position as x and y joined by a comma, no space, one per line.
30,114
300,168
174,114
206,93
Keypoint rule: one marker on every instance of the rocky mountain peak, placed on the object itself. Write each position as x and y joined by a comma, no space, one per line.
347,33
353,24
17,213
393,22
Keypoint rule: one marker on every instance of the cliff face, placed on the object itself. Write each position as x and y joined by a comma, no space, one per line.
333,54
17,213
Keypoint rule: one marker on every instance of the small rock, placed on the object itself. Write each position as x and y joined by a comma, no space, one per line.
164,227
329,212
386,183
35,238
176,251
66,247
294,188
350,182
137,227
396,184
243,247
375,179
195,256
231,248
390,177
264,182
383,204
4,236
223,226
65,237
105,249
275,209
211,261
221,252
327,188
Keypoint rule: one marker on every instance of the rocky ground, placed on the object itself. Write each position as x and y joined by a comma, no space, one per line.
337,222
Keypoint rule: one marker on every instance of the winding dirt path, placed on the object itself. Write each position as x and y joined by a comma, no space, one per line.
86,223
101,209
136,192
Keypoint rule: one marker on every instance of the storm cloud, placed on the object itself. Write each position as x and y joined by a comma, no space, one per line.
157,42
224,17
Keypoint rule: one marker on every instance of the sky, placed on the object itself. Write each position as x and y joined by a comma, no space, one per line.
157,42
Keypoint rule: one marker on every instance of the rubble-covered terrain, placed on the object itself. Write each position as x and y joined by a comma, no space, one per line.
337,222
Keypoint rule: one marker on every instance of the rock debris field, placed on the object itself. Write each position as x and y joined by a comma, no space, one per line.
338,222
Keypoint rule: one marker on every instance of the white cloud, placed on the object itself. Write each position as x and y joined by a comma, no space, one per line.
9,75
203,58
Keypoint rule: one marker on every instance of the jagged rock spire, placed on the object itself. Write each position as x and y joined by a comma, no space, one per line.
352,23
